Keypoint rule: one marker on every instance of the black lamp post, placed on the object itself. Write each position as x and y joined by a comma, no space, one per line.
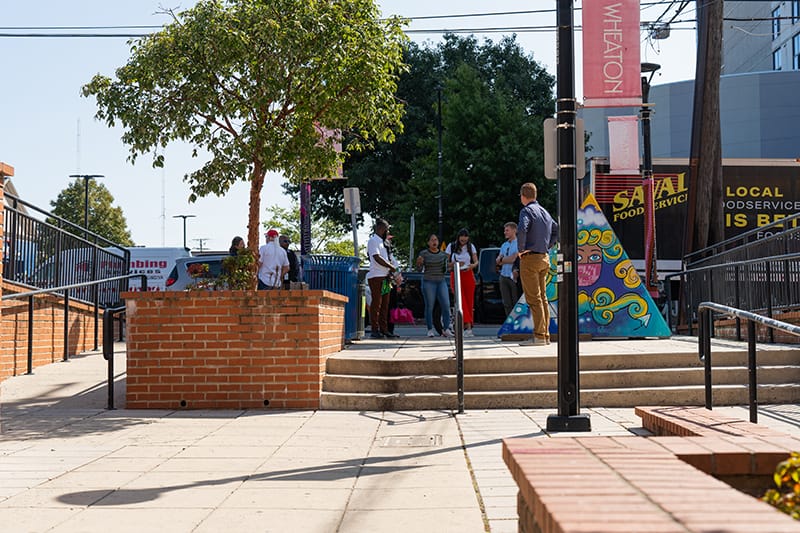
568,417
650,259
86,178
439,127
184,217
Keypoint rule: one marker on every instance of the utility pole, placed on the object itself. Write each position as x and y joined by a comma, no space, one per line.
184,217
200,242
568,417
704,224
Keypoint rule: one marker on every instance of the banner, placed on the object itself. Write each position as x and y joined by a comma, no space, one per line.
623,144
611,60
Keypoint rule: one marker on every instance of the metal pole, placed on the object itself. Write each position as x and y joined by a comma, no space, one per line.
751,370
650,259
459,337
30,334
439,127
568,417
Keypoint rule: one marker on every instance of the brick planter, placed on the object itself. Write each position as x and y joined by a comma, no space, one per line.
230,349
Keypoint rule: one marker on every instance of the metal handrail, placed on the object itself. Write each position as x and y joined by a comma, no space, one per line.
459,335
108,347
706,326
733,264
784,224
65,289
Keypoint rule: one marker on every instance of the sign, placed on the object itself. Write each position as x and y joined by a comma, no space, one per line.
352,201
551,148
755,194
611,59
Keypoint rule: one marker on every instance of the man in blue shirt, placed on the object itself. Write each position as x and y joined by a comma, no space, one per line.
537,232
508,273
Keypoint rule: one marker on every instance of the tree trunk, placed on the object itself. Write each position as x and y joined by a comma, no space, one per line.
254,216
705,224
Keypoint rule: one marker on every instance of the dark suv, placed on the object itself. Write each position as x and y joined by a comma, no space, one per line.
488,299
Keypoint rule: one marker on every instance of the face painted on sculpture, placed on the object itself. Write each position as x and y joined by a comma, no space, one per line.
590,263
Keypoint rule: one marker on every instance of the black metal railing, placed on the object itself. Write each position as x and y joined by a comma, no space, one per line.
109,315
765,285
706,312
459,338
780,237
46,251
64,291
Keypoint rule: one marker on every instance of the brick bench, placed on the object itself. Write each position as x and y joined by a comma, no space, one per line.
623,484
689,421
663,483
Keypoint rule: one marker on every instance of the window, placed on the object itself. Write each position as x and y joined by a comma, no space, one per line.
796,52
795,10
776,59
776,22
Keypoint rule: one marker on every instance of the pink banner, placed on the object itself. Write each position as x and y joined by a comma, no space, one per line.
623,144
611,60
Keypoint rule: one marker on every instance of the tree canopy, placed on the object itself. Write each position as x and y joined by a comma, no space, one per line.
494,99
104,219
251,83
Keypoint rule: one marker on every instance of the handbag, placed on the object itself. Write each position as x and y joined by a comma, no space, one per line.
401,315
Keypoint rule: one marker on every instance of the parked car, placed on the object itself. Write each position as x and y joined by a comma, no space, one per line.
488,298
205,268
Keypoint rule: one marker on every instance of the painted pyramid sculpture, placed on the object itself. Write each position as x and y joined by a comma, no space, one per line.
612,300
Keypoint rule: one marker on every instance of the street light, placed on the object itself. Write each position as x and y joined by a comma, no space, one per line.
86,178
184,217
439,127
650,259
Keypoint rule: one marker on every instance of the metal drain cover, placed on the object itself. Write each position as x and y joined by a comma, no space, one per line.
412,441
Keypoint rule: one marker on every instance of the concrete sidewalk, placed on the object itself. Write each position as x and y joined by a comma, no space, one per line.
69,465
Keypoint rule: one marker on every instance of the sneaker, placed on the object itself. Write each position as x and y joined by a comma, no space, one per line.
468,333
448,333
431,333
534,342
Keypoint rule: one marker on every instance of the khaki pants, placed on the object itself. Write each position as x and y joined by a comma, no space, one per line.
533,272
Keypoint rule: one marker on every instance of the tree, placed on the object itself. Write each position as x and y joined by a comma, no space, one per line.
328,236
495,98
252,83
104,219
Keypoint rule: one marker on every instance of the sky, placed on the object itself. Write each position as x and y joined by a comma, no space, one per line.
49,130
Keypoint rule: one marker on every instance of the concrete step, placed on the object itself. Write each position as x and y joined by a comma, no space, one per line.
343,364
526,381
542,399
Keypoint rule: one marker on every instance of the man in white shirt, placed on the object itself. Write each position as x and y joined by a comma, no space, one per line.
273,263
380,269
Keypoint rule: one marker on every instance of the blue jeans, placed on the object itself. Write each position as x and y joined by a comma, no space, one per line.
432,291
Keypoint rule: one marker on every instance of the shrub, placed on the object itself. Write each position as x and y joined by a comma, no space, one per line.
787,478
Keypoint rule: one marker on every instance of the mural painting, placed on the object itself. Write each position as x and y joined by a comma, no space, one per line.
612,300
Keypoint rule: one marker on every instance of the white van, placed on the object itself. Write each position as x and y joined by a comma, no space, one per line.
75,266
155,263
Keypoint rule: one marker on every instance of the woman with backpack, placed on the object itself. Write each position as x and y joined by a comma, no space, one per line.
464,260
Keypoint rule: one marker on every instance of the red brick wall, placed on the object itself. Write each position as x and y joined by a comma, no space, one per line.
230,349
48,331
